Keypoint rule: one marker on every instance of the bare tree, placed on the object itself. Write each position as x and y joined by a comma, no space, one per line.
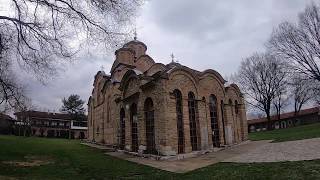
316,93
41,34
24,125
260,78
300,43
11,93
302,92
281,100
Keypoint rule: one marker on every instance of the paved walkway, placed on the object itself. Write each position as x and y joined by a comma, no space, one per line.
189,164
102,147
247,152
307,149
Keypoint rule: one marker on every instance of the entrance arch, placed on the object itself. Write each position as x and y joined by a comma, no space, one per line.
149,120
134,127
122,129
214,120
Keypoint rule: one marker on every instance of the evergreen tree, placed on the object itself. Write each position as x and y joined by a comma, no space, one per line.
74,106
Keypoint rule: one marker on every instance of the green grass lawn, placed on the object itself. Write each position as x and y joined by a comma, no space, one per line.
289,134
68,159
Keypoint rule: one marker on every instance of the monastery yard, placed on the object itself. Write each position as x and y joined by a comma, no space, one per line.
39,158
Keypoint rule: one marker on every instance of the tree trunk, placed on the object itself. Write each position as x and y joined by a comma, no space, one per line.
269,127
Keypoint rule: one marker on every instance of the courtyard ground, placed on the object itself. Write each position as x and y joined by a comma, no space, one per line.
289,134
40,158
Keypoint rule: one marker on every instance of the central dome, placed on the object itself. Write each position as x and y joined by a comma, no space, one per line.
139,47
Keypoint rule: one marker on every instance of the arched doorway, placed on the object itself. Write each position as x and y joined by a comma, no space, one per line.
214,120
283,124
134,127
193,122
180,127
149,118
122,129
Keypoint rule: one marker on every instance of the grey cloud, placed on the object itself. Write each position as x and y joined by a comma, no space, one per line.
203,34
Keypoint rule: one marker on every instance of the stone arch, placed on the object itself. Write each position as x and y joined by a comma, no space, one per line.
129,83
214,74
189,75
236,90
126,77
155,68
144,62
149,125
216,85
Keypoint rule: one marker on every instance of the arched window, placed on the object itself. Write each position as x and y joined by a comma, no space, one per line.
192,105
134,127
231,108
222,117
122,129
180,126
100,94
108,109
98,130
214,120
236,106
149,118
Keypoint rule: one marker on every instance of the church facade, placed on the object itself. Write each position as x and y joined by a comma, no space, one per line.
153,108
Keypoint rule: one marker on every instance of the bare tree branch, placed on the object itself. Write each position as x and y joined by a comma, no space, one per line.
41,34
261,77
300,43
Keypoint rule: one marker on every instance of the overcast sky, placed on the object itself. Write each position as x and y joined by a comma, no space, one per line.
201,34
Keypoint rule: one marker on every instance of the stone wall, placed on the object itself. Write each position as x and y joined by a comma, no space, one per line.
135,87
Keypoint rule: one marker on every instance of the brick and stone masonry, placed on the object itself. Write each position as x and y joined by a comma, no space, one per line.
153,108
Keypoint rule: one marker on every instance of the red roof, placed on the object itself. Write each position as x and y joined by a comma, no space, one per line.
6,117
45,115
288,115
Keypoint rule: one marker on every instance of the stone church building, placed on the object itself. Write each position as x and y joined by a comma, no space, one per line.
153,108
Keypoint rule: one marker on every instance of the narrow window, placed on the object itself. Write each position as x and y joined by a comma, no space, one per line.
214,120
236,107
149,118
179,113
134,128
193,123
122,129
